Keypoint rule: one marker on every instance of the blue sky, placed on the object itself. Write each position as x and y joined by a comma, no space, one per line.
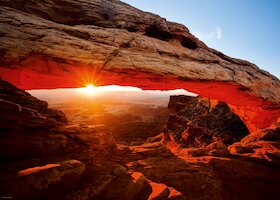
246,29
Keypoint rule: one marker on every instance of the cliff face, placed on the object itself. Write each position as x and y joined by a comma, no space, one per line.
54,44
44,157
39,151
197,122
25,108
201,127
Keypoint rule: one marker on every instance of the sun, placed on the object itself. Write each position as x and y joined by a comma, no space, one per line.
89,89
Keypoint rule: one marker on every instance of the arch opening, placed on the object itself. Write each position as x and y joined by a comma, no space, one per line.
134,115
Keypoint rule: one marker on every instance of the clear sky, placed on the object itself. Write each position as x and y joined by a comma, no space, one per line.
246,29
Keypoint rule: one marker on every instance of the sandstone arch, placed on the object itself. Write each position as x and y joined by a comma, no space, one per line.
45,45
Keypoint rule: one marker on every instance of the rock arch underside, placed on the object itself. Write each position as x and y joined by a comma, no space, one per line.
68,43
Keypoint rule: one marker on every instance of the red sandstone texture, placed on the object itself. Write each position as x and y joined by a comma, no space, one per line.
110,42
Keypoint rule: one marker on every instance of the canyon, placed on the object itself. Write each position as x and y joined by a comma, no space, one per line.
223,144
47,154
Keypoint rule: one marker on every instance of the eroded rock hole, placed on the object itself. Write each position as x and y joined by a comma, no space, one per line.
156,32
132,29
188,43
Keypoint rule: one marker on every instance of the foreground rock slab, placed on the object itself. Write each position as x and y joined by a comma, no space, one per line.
204,177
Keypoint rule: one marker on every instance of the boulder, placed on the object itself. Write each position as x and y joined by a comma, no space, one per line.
160,191
175,195
128,187
42,177
265,150
217,145
264,134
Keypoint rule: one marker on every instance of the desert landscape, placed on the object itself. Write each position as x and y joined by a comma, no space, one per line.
132,116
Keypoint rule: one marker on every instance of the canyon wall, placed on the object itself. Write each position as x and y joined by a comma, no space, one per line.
44,157
198,122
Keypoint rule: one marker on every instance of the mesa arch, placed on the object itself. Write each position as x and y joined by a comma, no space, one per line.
110,42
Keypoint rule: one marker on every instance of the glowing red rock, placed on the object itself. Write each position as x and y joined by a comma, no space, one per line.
254,111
